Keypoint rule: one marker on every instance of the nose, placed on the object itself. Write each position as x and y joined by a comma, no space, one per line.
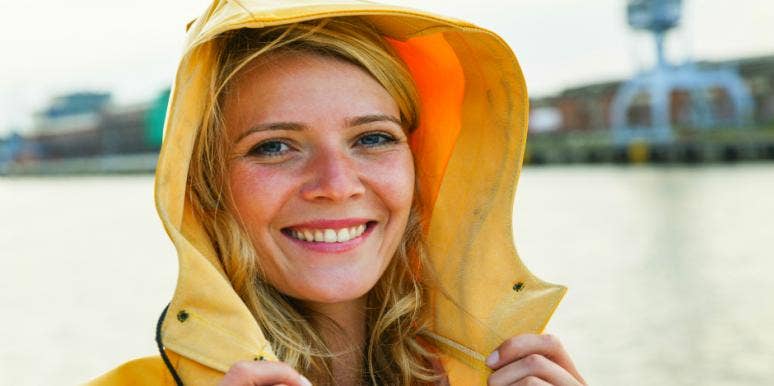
333,177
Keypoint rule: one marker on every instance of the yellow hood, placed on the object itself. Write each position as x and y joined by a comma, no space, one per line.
468,150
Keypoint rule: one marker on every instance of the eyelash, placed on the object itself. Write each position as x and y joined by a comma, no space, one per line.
257,151
386,139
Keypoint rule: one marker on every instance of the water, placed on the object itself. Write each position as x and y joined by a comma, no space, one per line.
669,269
85,270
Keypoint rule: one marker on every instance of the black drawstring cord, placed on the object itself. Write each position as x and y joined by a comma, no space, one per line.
175,376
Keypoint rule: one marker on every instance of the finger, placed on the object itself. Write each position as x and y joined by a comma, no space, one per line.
531,381
536,366
246,373
521,346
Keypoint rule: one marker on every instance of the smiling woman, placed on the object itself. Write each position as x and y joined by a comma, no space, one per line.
318,183
338,180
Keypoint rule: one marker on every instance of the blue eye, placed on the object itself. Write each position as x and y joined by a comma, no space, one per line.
375,139
269,148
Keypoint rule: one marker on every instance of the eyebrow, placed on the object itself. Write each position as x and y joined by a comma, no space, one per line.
364,119
295,126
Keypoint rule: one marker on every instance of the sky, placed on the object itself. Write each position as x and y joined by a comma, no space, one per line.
131,48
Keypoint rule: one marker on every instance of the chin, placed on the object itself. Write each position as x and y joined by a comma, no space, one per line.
332,290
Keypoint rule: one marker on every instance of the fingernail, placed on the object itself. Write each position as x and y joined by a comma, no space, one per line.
305,382
493,358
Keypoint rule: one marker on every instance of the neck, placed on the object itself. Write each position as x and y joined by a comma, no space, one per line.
346,338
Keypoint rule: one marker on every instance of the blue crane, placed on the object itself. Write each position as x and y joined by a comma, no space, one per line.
658,83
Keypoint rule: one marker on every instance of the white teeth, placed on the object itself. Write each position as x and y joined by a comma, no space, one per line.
328,235
343,235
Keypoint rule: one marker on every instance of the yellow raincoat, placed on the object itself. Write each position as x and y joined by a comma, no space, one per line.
468,150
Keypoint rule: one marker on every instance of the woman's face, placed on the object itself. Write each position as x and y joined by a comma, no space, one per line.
320,172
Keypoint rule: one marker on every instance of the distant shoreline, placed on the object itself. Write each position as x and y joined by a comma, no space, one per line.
143,163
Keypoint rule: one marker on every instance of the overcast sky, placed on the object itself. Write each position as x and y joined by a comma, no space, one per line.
131,48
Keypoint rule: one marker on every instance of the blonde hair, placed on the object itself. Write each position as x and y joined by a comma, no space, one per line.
396,327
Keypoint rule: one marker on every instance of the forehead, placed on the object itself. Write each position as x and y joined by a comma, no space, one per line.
304,88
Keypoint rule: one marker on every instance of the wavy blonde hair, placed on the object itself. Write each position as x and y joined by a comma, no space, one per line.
394,353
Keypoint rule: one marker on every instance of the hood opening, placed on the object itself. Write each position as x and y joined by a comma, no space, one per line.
468,148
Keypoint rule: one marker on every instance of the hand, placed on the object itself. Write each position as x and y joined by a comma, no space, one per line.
263,373
532,360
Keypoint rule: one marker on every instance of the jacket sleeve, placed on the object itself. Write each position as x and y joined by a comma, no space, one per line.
142,371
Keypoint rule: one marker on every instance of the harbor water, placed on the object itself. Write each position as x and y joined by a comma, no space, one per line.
670,272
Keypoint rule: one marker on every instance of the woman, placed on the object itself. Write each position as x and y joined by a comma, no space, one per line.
338,182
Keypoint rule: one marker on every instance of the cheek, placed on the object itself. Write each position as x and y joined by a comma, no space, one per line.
393,180
257,193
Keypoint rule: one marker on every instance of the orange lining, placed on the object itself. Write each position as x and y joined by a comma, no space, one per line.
440,82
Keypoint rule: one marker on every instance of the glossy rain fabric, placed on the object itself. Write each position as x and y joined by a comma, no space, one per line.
468,149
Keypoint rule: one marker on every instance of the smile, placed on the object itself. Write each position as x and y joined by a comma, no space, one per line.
328,235
325,232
